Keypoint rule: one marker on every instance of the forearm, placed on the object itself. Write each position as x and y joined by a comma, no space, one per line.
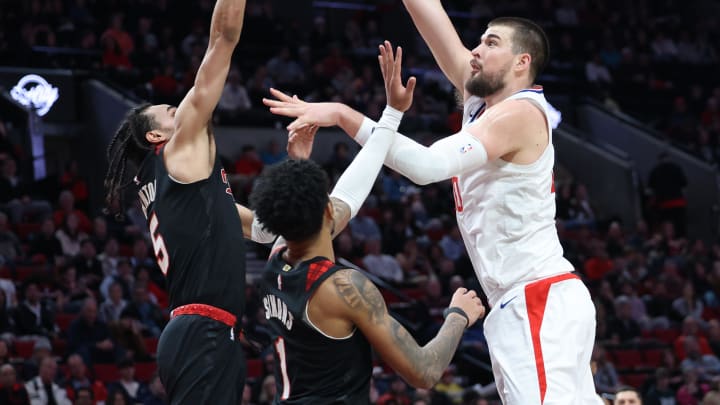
227,20
357,180
448,157
429,362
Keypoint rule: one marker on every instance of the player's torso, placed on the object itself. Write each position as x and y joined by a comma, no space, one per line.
197,236
506,214
311,367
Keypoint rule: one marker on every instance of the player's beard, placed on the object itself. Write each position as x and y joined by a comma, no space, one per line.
484,84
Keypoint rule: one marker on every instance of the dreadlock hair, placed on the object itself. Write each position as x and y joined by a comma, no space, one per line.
127,146
290,198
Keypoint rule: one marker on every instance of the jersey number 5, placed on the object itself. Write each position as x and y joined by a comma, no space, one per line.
158,242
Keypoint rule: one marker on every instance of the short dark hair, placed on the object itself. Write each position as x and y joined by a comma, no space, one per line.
289,199
627,388
528,37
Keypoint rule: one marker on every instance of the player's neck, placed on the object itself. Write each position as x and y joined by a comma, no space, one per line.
320,245
507,91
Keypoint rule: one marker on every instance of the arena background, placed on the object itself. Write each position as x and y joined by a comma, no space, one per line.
635,81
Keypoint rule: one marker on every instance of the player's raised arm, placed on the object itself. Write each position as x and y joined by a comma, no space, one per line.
433,23
195,111
352,296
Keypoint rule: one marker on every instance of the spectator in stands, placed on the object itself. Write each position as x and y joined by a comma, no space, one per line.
658,303
155,394
70,235
660,392
692,391
30,367
100,234
110,257
12,392
34,317
4,351
123,276
338,161
706,365
158,295
117,398
10,249
72,290
90,337
66,203
382,265
690,329
272,153
74,182
449,386
78,381
127,333
151,317
127,384
624,328
84,396
688,305
397,394
627,396
141,254
363,227
234,99
606,377
713,336
113,306
43,389
46,243
88,265
7,322
15,193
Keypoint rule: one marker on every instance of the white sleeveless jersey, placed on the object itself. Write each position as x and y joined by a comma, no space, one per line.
506,214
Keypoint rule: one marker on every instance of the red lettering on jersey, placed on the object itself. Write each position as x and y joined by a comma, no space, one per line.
456,195
223,176
552,185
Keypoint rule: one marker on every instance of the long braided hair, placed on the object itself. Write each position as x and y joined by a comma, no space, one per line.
128,146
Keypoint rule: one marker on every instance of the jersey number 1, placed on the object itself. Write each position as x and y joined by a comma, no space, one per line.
280,350
158,242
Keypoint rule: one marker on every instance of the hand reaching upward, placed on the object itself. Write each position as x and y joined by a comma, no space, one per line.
399,97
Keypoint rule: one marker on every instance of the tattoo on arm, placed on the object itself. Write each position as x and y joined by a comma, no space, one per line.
341,215
429,361
360,294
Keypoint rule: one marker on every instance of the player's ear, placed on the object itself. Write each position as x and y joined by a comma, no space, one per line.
155,136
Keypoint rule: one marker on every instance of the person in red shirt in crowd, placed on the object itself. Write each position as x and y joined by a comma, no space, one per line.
73,181
66,201
690,328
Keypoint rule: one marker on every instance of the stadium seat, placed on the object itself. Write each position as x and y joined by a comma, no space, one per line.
106,372
63,320
652,357
666,335
626,358
634,379
24,348
144,371
151,344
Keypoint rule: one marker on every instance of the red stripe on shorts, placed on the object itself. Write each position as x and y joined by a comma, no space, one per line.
536,295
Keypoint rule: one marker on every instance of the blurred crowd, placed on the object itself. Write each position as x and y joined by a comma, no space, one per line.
82,301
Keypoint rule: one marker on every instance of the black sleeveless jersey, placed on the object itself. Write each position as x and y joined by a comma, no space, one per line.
197,236
311,367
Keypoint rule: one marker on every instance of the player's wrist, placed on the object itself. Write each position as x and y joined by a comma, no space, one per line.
391,118
457,311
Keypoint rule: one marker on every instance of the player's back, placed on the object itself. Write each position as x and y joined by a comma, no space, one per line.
311,367
197,236
506,214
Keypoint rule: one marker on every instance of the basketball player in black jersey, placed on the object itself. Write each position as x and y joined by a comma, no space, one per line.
324,318
195,225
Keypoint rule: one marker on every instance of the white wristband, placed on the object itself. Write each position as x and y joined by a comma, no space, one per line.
258,233
390,118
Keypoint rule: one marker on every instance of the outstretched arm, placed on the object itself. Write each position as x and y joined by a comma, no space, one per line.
348,294
190,140
437,30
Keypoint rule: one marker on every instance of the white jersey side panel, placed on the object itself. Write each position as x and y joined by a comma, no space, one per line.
506,214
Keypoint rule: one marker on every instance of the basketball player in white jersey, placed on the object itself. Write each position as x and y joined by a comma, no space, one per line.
541,328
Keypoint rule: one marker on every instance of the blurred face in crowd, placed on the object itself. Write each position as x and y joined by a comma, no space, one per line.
7,375
76,365
48,369
627,398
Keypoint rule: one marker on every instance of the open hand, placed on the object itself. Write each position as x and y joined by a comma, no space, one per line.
300,142
306,114
399,97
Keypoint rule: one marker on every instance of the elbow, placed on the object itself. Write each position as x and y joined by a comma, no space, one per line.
425,380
